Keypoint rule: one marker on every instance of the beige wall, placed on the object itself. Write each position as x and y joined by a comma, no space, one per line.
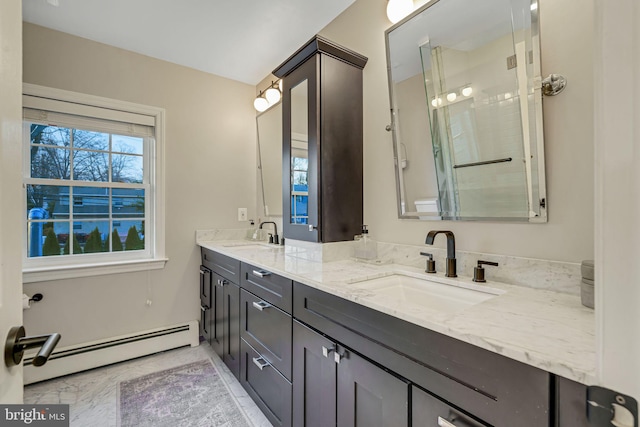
567,39
210,143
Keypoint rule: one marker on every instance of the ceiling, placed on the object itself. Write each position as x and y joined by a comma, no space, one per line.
242,40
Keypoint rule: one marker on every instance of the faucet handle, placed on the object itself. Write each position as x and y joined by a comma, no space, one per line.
431,264
478,272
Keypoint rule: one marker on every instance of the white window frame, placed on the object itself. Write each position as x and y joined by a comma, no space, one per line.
54,268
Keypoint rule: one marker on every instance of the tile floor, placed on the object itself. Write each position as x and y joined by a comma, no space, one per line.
92,394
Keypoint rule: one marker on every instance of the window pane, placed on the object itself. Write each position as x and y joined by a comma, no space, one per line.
47,201
91,166
50,162
300,179
91,235
127,203
127,144
135,235
89,140
46,238
126,168
49,135
90,202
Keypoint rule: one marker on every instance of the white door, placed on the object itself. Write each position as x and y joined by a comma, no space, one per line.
10,189
617,198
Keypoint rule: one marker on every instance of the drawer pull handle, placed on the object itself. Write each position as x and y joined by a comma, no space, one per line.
261,305
444,423
261,273
326,351
222,282
261,363
204,308
202,272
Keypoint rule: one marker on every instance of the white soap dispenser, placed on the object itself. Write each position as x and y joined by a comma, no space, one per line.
366,248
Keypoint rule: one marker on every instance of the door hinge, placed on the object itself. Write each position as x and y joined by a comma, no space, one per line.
607,408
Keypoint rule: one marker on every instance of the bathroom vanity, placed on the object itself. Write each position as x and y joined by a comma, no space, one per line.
319,345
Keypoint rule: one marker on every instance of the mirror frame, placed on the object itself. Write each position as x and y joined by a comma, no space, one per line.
542,203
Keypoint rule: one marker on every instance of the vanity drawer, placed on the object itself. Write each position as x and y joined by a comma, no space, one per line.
266,386
490,386
268,329
274,289
227,267
427,410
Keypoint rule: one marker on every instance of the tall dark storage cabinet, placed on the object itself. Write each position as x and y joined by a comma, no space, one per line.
322,142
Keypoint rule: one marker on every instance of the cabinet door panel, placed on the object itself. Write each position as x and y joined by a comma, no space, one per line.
429,411
216,330
571,403
314,379
270,390
369,396
231,356
300,102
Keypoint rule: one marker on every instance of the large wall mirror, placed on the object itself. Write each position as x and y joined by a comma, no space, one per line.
269,126
465,88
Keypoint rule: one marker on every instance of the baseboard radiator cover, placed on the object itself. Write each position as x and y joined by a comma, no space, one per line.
81,357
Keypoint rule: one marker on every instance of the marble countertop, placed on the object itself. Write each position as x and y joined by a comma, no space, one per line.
549,330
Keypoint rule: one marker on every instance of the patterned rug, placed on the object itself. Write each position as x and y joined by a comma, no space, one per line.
190,395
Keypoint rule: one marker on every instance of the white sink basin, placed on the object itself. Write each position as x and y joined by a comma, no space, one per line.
250,246
402,291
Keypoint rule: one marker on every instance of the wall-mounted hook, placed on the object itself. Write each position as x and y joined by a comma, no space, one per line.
553,84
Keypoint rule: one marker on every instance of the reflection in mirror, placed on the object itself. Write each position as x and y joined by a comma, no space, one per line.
270,148
299,155
467,117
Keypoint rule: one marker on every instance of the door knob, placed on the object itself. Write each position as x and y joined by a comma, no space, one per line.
17,343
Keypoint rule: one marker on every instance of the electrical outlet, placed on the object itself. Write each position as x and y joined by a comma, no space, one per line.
242,214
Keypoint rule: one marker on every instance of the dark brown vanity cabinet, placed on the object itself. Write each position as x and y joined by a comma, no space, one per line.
335,386
322,142
484,387
310,358
265,330
224,308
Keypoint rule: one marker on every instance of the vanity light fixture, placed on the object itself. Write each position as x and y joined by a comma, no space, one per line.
467,91
268,97
398,9
451,96
261,103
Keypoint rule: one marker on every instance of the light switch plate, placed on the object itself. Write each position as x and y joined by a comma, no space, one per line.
242,214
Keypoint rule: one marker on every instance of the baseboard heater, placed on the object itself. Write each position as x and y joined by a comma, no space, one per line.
77,358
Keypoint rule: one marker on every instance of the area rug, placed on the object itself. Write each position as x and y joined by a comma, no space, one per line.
187,396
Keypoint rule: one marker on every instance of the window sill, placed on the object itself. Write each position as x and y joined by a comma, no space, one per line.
44,274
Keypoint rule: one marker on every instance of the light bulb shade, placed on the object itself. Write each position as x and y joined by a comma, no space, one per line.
398,9
273,95
260,104
467,91
451,96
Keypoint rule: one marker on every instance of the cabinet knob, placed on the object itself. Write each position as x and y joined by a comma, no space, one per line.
261,273
312,227
261,305
260,362
326,351
444,423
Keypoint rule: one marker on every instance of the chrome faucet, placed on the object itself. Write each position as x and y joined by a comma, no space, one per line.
273,239
451,250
